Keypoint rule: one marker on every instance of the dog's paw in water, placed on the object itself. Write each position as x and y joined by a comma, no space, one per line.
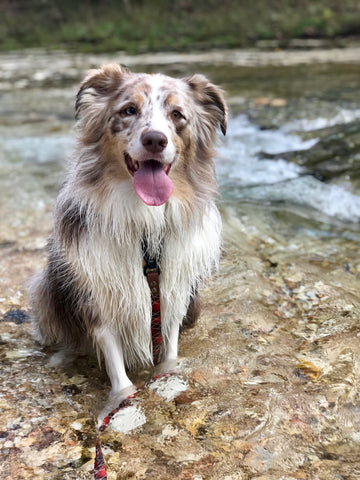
167,382
128,418
122,411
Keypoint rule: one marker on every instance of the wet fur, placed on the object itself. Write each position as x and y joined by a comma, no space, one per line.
93,289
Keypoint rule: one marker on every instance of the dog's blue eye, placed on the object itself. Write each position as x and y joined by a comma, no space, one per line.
130,111
176,114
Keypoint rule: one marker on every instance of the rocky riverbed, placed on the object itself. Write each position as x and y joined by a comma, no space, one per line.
273,363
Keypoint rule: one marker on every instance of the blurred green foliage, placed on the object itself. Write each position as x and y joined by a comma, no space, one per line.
142,25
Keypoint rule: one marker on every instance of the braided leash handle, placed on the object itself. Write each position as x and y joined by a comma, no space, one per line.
99,465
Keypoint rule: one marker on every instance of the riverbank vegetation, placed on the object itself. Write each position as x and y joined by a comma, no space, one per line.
144,25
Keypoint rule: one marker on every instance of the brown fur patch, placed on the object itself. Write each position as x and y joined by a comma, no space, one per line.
72,223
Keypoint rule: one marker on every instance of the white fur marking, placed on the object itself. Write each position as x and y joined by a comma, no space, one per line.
169,387
128,419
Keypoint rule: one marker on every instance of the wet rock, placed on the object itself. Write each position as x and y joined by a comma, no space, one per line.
307,370
272,368
336,153
17,316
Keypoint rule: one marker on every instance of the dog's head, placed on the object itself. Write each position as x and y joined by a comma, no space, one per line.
153,130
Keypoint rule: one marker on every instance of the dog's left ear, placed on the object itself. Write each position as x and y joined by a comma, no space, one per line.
211,98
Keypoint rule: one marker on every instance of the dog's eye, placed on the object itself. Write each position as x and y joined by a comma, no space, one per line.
177,115
129,111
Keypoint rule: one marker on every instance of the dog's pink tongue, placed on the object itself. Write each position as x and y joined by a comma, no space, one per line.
152,184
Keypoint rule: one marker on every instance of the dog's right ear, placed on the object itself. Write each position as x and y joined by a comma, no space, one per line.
95,91
99,84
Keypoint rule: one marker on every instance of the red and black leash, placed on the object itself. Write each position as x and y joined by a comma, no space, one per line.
152,273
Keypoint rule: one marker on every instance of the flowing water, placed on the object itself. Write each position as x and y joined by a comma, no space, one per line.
273,364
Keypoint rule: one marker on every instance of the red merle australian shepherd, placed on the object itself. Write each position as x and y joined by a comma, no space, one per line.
143,174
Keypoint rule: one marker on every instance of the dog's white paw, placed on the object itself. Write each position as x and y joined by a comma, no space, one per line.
121,411
168,385
128,418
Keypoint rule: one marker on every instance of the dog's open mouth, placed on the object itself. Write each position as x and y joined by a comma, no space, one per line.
151,181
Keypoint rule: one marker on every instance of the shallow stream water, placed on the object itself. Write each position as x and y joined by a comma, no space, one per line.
273,364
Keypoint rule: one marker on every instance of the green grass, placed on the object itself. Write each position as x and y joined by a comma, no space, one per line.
142,25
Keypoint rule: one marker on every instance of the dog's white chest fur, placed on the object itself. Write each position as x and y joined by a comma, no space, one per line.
111,268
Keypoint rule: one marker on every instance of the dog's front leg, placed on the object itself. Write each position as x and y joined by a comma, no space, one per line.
119,409
110,345
168,382
170,344
169,351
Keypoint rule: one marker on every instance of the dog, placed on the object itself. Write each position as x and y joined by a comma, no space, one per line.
142,174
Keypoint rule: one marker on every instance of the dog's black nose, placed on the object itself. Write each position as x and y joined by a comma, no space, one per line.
154,141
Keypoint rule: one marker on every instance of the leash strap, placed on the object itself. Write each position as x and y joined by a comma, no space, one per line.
99,463
152,272
153,279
